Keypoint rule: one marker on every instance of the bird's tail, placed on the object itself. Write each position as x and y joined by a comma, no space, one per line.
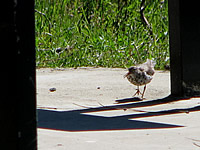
126,74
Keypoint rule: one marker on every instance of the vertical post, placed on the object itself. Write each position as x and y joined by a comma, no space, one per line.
8,121
175,47
18,117
184,27
25,31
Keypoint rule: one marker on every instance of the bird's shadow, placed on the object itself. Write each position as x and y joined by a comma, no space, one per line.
128,100
77,120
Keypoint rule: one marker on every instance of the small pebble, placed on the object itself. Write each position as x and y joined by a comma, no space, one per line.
52,89
187,112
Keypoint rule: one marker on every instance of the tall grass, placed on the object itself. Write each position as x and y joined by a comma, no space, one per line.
107,33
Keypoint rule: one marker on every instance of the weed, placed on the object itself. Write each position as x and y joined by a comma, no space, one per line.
106,33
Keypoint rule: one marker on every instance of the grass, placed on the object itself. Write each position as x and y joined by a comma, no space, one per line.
106,33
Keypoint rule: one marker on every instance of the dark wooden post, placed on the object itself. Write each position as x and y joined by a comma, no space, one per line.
18,98
184,29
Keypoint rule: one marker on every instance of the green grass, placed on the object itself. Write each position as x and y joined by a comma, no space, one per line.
106,33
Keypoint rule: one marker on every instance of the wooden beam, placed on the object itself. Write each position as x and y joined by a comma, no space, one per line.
18,98
184,30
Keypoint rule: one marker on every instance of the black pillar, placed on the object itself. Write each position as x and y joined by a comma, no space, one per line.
18,99
184,29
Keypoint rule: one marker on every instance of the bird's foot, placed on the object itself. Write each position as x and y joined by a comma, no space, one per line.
137,92
142,97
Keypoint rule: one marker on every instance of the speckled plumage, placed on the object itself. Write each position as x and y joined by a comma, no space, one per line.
141,75
138,77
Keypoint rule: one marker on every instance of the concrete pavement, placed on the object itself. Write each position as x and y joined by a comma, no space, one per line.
83,113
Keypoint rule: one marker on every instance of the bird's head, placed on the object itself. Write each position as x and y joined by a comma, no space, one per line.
132,69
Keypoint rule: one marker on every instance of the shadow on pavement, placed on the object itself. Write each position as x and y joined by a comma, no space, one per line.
76,120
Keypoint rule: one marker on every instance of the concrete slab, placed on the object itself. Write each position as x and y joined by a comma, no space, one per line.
82,112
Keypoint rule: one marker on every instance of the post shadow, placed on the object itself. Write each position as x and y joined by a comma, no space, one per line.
74,121
83,120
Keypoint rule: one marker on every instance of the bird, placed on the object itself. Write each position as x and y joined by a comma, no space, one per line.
141,74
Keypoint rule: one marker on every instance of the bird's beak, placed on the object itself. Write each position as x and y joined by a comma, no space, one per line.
126,74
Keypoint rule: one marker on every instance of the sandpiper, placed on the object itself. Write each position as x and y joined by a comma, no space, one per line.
141,75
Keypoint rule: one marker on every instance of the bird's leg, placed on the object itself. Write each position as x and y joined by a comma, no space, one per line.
137,91
143,91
